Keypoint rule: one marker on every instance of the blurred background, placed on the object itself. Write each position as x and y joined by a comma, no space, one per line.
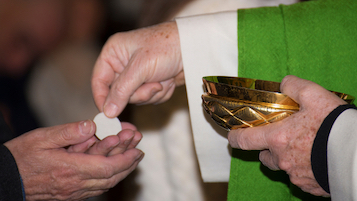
47,53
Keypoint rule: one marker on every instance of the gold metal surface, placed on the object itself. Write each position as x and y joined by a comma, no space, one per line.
247,89
231,113
235,102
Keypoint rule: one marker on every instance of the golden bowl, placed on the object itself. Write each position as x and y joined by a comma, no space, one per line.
235,102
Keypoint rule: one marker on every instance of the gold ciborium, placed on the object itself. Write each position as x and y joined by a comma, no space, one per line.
235,102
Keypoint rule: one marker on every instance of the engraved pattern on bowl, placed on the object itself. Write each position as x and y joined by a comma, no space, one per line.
234,102
232,114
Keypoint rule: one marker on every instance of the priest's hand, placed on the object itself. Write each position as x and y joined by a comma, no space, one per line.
287,144
141,66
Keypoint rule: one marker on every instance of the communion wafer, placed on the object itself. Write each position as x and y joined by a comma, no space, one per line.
106,126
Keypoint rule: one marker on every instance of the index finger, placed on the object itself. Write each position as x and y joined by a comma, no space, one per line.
102,78
253,138
132,78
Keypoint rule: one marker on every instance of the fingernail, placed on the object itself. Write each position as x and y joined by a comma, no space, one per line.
93,140
140,156
114,145
85,127
136,141
154,91
127,141
110,110
171,84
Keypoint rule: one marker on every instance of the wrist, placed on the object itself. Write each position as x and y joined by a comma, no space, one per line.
319,148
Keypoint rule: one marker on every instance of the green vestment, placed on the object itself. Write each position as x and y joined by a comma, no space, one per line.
315,40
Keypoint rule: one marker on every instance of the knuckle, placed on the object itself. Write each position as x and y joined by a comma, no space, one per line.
62,191
66,133
284,165
38,134
280,140
118,89
242,142
111,183
298,181
63,195
295,180
106,171
233,140
305,92
143,97
286,82
113,38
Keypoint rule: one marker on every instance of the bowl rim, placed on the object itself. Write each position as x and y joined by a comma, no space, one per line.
210,79
215,85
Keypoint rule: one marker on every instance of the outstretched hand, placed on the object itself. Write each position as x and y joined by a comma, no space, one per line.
141,66
126,139
51,169
287,144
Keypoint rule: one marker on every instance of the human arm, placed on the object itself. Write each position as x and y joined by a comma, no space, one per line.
207,50
10,181
49,171
341,149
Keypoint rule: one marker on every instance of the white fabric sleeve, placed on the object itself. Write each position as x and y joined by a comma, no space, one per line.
342,157
209,47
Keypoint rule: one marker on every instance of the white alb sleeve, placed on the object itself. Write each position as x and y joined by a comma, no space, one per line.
342,157
209,47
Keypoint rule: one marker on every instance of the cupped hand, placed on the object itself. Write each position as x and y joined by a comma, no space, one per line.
50,172
141,66
126,139
287,144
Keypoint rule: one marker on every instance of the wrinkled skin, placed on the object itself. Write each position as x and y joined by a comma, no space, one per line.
142,66
67,162
287,144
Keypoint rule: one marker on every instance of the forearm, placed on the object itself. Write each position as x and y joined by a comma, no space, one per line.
333,155
342,158
10,181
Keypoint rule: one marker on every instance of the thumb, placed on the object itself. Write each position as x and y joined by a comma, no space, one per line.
301,91
292,85
70,134
127,84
